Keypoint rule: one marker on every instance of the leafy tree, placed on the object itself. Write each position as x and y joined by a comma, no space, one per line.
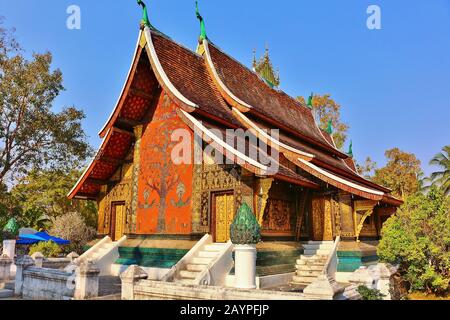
441,178
34,218
369,294
31,133
48,249
401,173
327,109
367,169
48,189
417,238
72,226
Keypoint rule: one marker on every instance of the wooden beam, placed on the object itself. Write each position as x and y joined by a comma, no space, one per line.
115,161
122,131
126,124
85,196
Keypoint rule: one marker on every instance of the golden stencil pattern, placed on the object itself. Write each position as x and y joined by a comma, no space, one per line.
212,178
120,192
278,216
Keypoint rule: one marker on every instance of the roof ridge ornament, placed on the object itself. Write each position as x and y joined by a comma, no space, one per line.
145,22
203,35
310,101
330,127
265,69
350,149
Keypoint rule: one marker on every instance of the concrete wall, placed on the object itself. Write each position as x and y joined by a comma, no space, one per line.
156,290
47,284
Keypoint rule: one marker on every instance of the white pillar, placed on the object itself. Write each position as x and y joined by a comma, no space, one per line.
22,264
72,256
38,259
129,278
9,248
245,266
86,282
5,268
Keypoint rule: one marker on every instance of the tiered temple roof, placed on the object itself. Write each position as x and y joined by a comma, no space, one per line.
213,90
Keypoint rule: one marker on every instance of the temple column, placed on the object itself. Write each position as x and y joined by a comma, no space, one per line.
347,220
138,130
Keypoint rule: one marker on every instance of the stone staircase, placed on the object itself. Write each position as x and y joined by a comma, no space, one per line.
104,253
199,263
312,262
207,263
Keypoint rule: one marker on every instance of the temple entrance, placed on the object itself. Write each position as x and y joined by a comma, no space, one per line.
222,213
118,215
322,222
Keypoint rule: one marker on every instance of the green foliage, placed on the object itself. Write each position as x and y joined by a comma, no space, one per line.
48,189
72,226
327,110
245,229
401,173
367,168
31,133
417,238
441,178
369,294
48,249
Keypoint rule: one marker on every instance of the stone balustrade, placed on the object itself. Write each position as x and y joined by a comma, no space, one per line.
37,283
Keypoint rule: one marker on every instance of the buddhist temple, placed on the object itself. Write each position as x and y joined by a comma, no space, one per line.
300,187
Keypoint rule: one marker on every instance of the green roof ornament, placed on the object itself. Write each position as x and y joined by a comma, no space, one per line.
350,149
245,228
310,101
145,22
330,127
202,24
12,227
264,68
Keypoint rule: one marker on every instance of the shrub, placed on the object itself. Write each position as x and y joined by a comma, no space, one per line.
369,294
71,226
418,239
48,249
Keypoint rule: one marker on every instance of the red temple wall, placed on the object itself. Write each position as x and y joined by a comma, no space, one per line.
164,188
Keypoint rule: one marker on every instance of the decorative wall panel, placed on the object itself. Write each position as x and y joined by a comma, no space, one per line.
164,186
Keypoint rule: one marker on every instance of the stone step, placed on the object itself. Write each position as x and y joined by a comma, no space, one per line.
187,281
317,267
189,274
313,258
304,280
317,247
324,252
195,267
198,260
320,242
6,293
306,260
207,254
308,273
214,247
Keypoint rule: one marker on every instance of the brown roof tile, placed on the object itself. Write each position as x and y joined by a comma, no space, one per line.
277,105
187,72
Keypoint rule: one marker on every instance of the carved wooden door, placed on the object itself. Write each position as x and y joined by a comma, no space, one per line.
118,218
223,214
322,221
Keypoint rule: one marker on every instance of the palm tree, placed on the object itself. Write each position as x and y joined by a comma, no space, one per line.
441,178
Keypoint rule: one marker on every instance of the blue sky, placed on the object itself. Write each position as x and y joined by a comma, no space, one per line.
393,84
